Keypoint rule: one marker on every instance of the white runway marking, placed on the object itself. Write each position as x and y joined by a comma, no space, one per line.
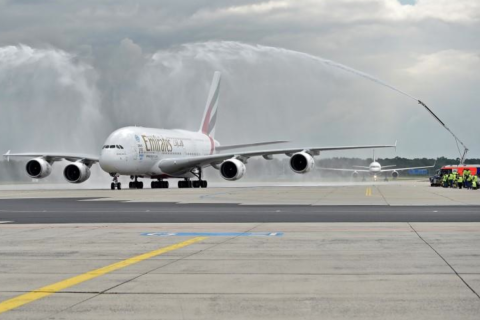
5,222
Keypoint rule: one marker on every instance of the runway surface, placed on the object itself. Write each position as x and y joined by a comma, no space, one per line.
240,271
390,251
84,211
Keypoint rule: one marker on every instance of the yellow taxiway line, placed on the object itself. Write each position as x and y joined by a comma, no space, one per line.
368,192
53,288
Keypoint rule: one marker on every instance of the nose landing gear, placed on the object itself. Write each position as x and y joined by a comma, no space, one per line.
115,183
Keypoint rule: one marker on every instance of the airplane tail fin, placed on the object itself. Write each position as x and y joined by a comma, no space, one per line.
210,114
373,155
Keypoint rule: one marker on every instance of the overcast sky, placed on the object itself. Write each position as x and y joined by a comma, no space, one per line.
73,71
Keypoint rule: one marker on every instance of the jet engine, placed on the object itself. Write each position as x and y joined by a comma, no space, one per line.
301,162
76,172
38,168
394,174
354,174
232,169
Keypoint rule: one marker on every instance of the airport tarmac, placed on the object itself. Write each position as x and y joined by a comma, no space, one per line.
393,193
60,260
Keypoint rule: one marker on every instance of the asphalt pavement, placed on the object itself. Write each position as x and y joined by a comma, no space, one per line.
81,210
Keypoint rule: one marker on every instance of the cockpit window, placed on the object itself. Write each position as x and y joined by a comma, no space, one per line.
112,147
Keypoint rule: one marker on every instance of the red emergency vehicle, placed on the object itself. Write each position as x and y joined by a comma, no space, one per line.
436,180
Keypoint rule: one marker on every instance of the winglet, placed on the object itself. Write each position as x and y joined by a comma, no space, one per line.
396,145
7,155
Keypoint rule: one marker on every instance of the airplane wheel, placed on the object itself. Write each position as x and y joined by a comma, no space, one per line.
180,184
189,184
130,185
119,186
112,186
166,184
203,184
140,185
196,184
153,185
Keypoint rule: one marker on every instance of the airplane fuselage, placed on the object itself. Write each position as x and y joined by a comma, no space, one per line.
375,168
137,151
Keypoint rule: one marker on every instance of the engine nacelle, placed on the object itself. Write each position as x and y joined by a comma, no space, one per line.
38,168
394,174
76,172
301,162
232,169
354,174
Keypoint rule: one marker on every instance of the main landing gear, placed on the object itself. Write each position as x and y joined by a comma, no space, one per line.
386,178
160,184
200,184
135,184
187,183
115,183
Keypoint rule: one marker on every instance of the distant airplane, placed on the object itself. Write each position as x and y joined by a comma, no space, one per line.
161,154
374,169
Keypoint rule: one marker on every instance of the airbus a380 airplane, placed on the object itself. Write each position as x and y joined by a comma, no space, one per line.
375,168
163,154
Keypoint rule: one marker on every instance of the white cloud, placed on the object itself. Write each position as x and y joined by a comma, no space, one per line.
447,63
429,50
347,11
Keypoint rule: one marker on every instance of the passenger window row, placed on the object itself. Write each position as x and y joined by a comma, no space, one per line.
112,147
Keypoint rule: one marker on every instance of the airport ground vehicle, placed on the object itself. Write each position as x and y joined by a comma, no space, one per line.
436,180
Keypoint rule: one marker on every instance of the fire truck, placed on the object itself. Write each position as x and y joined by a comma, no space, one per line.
436,180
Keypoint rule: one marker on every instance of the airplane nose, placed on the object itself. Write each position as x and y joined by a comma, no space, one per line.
107,162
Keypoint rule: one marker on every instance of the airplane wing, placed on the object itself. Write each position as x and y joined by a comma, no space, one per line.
55,156
238,146
179,165
344,170
389,166
411,168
